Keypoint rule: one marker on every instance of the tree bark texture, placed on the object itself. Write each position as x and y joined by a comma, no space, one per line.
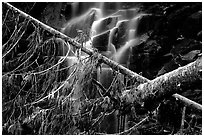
166,85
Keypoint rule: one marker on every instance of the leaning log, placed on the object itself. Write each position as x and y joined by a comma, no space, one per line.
114,65
166,85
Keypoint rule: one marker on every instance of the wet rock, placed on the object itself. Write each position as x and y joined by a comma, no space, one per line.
113,35
104,24
146,23
122,33
83,23
101,41
123,27
192,25
188,58
126,13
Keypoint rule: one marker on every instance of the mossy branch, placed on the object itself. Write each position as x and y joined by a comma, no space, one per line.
166,85
103,59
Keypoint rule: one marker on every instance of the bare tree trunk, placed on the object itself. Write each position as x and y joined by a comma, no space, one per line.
166,85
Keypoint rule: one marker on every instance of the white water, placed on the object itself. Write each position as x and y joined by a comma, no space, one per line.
123,15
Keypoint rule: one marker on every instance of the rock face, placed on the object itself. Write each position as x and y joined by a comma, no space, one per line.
83,22
147,22
122,33
104,24
101,41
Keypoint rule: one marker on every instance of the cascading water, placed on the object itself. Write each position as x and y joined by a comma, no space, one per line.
102,17
112,31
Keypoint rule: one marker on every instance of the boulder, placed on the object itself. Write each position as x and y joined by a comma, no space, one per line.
122,33
113,35
101,41
104,24
147,22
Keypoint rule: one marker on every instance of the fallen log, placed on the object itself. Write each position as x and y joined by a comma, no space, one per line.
114,65
166,85
188,102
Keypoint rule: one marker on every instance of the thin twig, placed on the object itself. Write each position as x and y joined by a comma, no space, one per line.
100,86
5,16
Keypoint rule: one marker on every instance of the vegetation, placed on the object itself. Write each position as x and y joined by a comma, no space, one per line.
43,94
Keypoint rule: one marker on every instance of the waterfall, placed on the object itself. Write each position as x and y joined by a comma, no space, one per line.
113,32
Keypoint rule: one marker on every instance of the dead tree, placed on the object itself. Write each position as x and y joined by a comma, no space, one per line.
158,88
166,85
